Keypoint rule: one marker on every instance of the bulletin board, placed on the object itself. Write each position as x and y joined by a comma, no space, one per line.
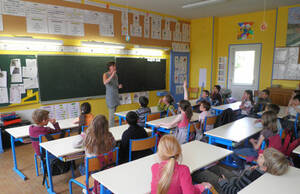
15,81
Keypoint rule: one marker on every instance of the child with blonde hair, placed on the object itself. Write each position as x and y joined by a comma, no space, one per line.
170,177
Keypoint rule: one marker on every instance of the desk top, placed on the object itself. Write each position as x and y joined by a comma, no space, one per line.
267,183
281,114
23,131
234,106
154,109
297,150
236,131
63,147
195,117
135,177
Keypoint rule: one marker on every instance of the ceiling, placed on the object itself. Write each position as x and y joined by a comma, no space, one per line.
229,7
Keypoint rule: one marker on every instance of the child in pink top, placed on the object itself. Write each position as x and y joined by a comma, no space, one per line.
169,177
41,119
247,102
182,121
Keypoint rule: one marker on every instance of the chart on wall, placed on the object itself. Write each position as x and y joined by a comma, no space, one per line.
286,64
293,31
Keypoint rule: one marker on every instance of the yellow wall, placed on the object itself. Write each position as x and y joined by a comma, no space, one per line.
226,29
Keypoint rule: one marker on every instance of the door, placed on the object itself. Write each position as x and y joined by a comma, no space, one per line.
244,64
179,71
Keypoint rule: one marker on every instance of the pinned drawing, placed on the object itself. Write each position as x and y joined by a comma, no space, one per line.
245,31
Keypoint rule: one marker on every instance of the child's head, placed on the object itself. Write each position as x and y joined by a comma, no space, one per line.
296,100
273,162
269,121
111,66
205,94
98,138
249,95
186,107
40,117
265,94
132,118
168,99
168,150
273,107
143,101
85,108
204,105
217,88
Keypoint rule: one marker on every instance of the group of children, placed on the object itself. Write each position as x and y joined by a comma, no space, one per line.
168,176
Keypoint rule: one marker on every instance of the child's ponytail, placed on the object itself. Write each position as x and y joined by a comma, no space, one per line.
166,177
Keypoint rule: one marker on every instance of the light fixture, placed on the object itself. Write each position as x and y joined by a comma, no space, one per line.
151,47
102,44
201,3
29,40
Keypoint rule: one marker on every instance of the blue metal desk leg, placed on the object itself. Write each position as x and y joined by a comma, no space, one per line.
1,145
50,189
12,142
120,120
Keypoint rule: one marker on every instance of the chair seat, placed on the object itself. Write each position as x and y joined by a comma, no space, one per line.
81,180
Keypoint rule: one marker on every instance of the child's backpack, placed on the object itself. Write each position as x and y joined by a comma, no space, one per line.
227,116
274,141
290,142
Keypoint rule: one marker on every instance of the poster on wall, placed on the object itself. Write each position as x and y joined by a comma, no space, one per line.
293,31
245,31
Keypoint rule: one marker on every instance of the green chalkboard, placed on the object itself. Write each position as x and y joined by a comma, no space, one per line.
65,77
5,61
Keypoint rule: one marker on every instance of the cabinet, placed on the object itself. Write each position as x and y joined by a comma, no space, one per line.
280,96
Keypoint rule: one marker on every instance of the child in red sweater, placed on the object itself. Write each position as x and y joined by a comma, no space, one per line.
41,119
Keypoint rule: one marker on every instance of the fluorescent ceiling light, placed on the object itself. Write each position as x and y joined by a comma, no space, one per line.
201,3
150,47
29,40
102,44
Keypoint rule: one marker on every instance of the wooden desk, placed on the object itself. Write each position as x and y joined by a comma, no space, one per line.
267,183
234,106
19,133
135,177
122,115
63,148
166,129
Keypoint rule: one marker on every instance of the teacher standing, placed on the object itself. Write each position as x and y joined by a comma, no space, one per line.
110,80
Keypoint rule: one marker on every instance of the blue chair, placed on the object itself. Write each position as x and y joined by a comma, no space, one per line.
209,120
142,144
295,125
169,113
192,128
83,128
92,165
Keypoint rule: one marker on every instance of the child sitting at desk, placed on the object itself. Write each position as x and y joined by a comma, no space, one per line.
143,110
133,132
216,98
274,108
170,177
166,106
262,101
96,140
41,119
226,182
247,102
181,122
269,122
294,107
85,117
204,96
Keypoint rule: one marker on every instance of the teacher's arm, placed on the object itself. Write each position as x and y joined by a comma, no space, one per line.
107,79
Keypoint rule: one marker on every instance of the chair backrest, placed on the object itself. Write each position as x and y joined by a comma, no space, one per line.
192,128
84,128
169,113
42,138
193,93
151,117
142,144
210,120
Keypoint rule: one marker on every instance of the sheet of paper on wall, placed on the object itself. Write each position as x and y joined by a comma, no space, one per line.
15,95
127,99
106,23
166,33
202,77
146,26
75,19
122,99
31,83
136,97
13,7
51,109
293,55
30,70
177,33
1,23
135,30
75,28
61,111
74,1
156,27
179,89
91,17
56,20
124,21
73,109
3,95
281,55
20,86
36,18
3,79
94,3
15,70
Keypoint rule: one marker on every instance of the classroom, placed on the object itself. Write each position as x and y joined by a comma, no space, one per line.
139,96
